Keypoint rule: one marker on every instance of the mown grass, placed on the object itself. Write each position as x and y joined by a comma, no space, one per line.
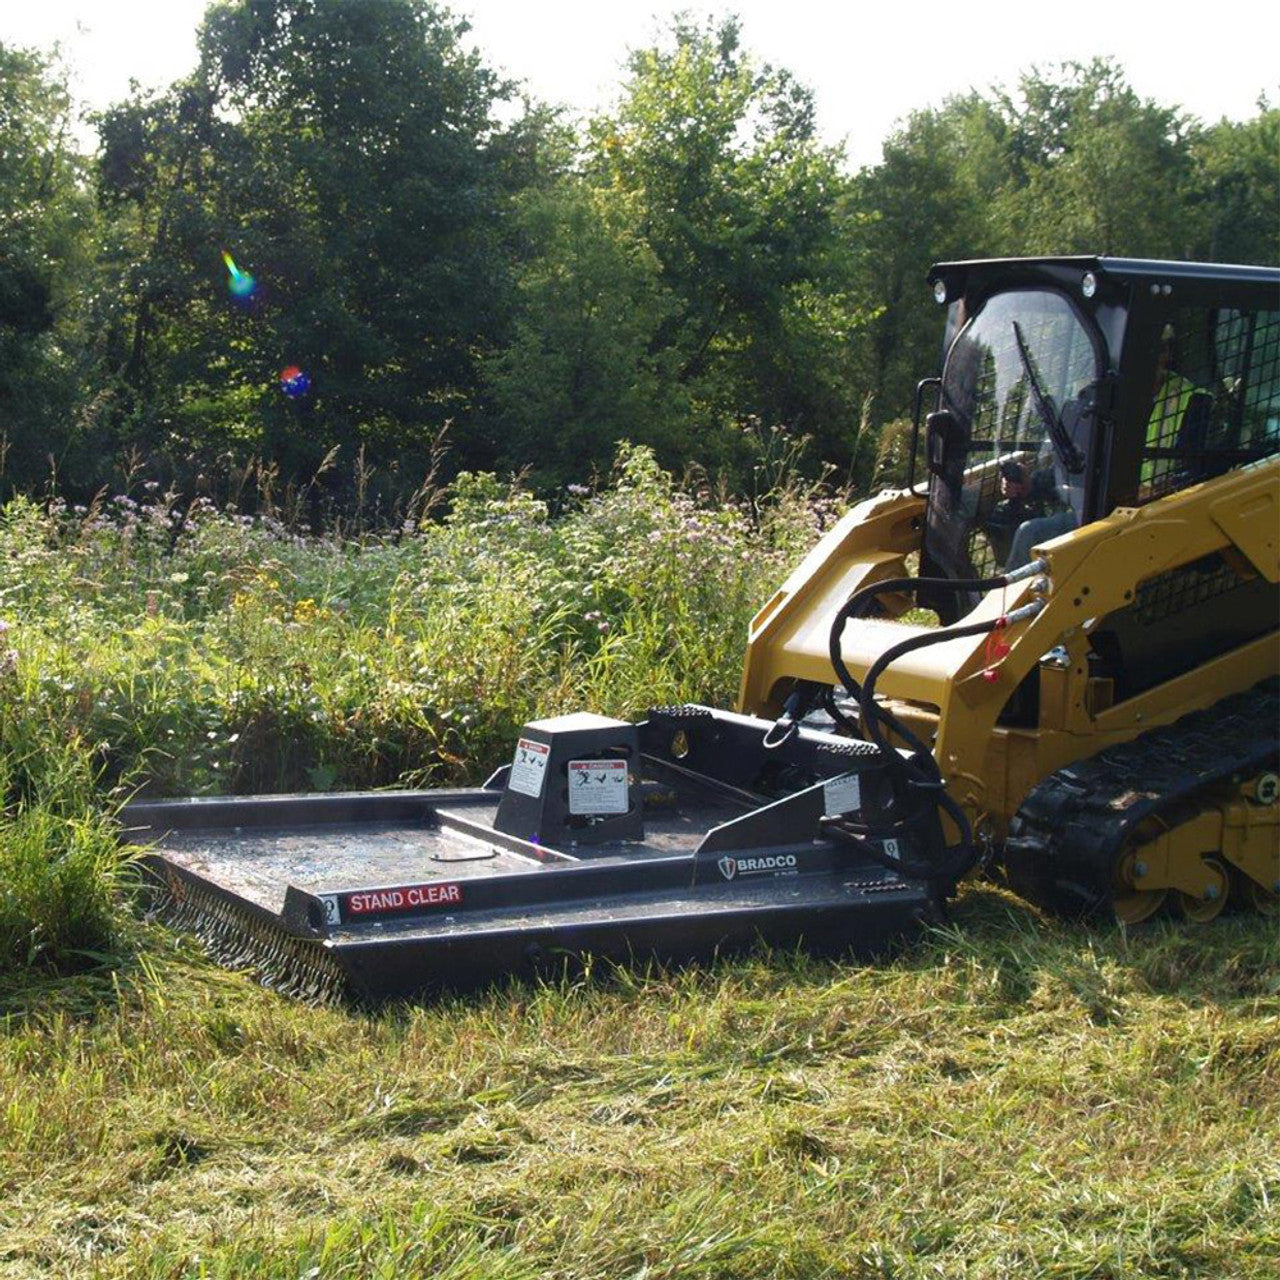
1012,1098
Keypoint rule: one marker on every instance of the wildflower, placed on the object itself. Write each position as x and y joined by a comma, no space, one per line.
578,490
8,662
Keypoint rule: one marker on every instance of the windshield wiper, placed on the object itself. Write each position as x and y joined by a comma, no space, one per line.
1063,445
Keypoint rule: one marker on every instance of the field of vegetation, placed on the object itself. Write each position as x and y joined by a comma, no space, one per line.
247,321
1013,1098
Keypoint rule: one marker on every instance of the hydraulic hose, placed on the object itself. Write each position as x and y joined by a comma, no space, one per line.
919,773
856,603
872,714
808,694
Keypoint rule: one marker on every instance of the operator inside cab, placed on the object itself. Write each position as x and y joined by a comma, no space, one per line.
1177,426
1024,496
1045,512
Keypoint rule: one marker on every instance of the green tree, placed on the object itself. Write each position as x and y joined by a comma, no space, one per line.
1073,161
741,208
347,155
1096,168
46,249
582,370
928,200
1238,178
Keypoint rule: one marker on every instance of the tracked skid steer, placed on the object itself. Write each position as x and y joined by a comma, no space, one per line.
1052,655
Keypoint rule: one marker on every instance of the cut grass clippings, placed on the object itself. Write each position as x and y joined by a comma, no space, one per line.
1013,1098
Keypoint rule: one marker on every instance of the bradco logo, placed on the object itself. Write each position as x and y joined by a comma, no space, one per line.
778,863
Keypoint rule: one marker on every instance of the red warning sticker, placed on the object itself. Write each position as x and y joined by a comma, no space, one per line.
598,786
413,897
529,768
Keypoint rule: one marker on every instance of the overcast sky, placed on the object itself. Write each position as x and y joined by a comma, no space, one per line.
869,65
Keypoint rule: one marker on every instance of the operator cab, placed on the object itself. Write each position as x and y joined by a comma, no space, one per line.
1071,386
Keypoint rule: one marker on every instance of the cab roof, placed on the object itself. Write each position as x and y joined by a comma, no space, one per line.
1129,282
987,270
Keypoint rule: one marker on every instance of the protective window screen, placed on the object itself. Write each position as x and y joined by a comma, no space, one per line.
1216,399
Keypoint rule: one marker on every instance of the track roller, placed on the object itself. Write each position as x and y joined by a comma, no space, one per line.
1208,906
1185,815
1133,905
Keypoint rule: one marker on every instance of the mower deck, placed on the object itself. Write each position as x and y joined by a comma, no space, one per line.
392,894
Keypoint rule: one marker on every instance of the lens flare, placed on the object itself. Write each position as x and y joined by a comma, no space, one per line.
241,283
294,382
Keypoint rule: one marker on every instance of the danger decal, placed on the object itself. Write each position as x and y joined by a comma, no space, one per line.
529,768
598,786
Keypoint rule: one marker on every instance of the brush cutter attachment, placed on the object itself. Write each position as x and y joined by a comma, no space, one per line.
679,837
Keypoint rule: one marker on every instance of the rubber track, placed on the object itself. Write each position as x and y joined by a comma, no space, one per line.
1070,830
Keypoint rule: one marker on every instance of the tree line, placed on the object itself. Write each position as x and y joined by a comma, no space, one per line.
342,189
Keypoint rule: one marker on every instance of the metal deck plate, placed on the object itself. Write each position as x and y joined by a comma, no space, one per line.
236,845
259,863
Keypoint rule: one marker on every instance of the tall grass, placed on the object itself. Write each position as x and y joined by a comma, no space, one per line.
159,647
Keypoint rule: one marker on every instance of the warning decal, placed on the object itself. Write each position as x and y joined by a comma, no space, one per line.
404,898
842,795
529,768
598,786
